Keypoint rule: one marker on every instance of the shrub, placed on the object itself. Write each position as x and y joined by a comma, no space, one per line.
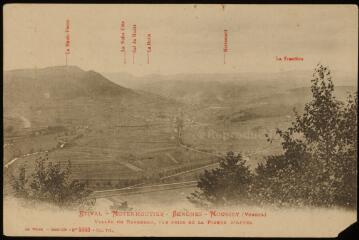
50,183
225,185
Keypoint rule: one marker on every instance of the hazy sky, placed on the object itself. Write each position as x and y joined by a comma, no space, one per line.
185,38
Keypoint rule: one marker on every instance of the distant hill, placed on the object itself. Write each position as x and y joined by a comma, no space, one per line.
58,82
214,89
62,94
54,95
238,97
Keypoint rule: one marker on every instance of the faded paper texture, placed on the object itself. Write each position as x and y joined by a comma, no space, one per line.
180,120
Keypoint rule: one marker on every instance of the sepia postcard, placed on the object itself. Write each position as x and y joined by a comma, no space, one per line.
188,120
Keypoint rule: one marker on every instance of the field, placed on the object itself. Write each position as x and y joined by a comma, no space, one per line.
123,155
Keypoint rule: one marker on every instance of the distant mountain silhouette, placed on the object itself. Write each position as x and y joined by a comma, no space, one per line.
212,89
55,95
58,82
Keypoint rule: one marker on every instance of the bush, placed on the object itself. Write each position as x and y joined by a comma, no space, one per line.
19,183
50,183
225,185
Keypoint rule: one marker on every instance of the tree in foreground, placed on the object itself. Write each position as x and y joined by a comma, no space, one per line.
52,183
317,166
225,185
